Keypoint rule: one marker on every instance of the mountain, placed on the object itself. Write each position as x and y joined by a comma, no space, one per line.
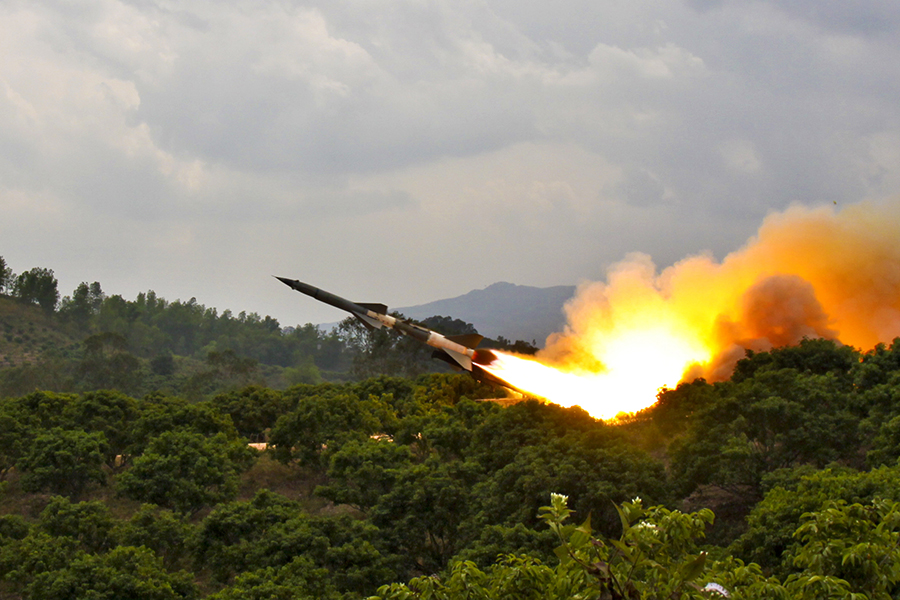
517,312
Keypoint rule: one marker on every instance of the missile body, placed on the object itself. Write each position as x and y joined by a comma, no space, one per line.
459,350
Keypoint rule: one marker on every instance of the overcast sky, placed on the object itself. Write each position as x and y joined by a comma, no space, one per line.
406,151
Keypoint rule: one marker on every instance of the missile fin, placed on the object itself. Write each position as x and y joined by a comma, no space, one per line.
381,309
485,377
469,340
368,321
464,361
443,356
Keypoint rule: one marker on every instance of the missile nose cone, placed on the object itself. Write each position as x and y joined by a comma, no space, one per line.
285,280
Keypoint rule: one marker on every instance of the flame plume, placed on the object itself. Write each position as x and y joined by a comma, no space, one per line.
809,272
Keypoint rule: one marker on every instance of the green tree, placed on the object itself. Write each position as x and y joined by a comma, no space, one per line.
159,414
253,410
228,539
42,411
6,276
108,364
324,420
656,556
812,356
124,572
63,462
163,365
89,523
37,286
14,438
28,558
160,530
226,370
269,531
186,471
360,473
383,351
769,537
305,371
83,304
108,412
771,420
298,580
855,546
885,448
592,470
12,527
422,514
877,366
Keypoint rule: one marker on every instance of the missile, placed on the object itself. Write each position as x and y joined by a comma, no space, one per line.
457,350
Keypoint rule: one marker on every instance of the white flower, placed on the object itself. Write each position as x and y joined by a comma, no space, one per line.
715,587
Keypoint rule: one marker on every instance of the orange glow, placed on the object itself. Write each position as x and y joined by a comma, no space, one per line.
808,273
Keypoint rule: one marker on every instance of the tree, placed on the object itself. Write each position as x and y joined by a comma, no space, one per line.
108,364
63,462
160,414
886,444
298,580
855,546
186,471
160,530
29,557
89,523
124,572
592,472
84,303
37,286
111,413
163,365
305,371
360,473
422,514
270,531
656,556
769,537
228,539
6,276
253,409
13,439
322,421
770,420
815,356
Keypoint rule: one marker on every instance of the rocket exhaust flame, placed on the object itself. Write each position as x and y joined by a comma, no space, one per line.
809,272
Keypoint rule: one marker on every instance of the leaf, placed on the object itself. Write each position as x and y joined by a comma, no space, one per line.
623,549
562,553
693,569
623,518
586,526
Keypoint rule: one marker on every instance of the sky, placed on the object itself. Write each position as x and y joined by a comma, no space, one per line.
404,151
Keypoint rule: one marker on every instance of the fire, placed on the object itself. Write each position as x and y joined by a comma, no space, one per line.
809,272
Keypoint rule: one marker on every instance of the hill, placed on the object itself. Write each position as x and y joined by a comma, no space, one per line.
27,332
516,312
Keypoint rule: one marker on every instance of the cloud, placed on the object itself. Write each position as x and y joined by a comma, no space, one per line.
470,141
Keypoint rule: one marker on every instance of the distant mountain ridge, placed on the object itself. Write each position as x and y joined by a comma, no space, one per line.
517,312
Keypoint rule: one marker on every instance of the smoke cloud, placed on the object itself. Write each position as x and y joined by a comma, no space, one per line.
809,272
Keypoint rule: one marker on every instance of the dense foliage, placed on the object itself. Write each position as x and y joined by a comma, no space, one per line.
781,482
389,479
